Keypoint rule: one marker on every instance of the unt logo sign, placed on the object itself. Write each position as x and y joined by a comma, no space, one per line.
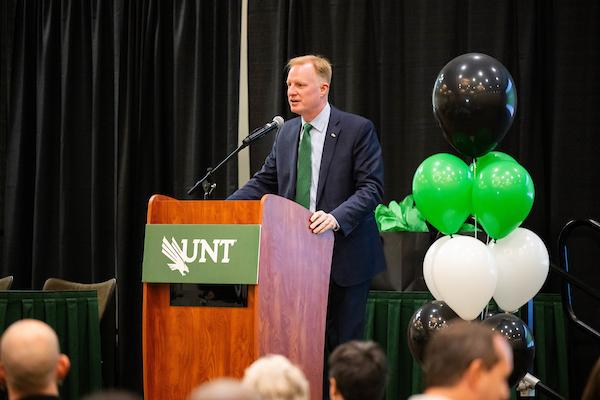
201,253
179,254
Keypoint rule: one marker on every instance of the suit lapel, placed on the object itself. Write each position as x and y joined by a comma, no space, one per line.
331,138
292,154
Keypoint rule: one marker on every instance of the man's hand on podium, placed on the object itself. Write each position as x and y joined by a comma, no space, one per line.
322,222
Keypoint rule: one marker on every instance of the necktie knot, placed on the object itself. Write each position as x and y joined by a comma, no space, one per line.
307,128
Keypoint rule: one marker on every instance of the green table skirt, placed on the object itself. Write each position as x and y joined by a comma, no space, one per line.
74,317
387,317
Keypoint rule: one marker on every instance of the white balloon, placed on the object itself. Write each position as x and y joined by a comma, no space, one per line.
523,262
428,265
464,272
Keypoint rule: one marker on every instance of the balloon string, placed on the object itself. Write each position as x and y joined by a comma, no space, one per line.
474,177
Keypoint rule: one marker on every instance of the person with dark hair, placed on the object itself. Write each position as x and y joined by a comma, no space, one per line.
592,387
466,361
31,365
357,370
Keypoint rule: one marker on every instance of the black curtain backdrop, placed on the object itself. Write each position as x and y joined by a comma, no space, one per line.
102,104
386,55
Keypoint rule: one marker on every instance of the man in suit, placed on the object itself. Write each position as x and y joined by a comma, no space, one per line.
31,365
330,162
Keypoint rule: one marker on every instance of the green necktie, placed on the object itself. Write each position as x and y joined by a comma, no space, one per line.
304,169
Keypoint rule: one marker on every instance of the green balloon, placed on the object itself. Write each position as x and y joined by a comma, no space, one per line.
442,188
487,159
503,195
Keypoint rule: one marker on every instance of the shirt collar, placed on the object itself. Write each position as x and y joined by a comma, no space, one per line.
320,121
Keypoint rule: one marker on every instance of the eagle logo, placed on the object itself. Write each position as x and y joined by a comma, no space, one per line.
175,254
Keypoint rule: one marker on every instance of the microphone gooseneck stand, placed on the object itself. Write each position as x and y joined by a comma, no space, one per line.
205,181
256,134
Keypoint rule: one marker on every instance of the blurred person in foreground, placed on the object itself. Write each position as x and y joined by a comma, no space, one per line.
274,377
357,370
31,365
592,387
466,361
223,389
113,394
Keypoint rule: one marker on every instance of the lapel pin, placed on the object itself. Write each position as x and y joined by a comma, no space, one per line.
333,135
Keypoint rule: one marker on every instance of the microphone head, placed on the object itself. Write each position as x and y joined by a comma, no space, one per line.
279,121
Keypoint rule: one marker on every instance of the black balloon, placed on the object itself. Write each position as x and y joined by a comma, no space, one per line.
475,101
519,337
428,319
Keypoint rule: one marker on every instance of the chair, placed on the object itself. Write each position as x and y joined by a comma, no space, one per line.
6,282
104,289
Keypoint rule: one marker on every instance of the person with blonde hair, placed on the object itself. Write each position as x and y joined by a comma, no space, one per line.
31,365
274,377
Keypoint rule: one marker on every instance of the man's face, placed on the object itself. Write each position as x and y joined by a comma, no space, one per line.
307,92
493,384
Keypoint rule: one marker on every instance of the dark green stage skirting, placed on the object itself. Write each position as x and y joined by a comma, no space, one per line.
74,316
388,314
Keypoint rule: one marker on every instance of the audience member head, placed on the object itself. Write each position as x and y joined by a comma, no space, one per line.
468,361
592,387
357,370
113,394
274,377
223,389
30,359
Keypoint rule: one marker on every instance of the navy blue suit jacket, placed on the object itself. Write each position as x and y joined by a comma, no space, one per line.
350,187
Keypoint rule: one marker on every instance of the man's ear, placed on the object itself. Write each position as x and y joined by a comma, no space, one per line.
324,88
473,372
2,376
62,367
333,390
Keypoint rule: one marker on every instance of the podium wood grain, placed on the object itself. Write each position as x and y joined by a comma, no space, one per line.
185,346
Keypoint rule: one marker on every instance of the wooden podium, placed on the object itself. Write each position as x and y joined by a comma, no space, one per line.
285,314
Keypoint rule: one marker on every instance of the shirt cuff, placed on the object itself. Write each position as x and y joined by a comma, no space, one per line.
337,225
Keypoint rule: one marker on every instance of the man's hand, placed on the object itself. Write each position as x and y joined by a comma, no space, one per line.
321,222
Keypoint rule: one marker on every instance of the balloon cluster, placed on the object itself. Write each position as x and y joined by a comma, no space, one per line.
474,100
496,189
436,315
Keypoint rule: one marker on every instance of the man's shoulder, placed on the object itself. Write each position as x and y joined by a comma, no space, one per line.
348,117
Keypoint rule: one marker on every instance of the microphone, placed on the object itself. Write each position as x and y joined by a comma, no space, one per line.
256,134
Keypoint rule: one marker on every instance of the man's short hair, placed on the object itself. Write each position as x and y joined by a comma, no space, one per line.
274,377
359,369
451,350
321,64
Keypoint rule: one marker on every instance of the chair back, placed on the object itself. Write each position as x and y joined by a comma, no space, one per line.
6,282
105,289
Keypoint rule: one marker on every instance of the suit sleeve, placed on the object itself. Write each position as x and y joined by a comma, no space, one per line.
368,181
263,182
